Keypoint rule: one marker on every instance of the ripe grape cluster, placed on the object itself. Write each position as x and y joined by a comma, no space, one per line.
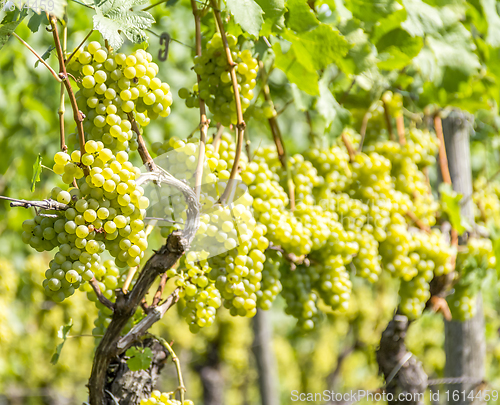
105,207
215,86
116,89
163,398
473,264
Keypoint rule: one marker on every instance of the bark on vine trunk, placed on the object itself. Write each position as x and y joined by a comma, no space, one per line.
402,371
129,387
464,341
264,356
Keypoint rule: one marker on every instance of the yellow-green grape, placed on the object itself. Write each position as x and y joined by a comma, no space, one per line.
113,86
165,398
473,264
200,297
215,86
270,284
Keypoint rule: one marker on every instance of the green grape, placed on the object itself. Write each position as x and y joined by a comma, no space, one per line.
215,86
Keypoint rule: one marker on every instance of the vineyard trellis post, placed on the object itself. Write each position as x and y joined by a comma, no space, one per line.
464,341
264,355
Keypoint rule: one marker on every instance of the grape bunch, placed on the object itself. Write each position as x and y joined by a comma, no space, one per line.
270,284
215,86
473,264
116,89
105,207
163,398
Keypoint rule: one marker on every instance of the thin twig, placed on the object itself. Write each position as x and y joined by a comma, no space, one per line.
159,291
49,204
56,76
349,147
362,131
387,116
104,301
443,159
278,138
400,127
142,149
218,137
240,126
203,113
77,115
175,359
62,108
79,46
418,222
130,276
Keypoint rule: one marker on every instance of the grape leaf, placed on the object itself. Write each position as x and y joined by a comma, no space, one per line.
327,106
273,9
61,334
493,19
450,203
139,359
305,78
9,24
46,54
37,170
248,14
300,17
319,47
422,18
397,48
114,17
36,20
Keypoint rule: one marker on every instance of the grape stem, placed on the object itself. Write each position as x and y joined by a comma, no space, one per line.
443,159
400,127
62,109
387,116
49,204
79,46
218,137
56,76
350,149
77,114
277,137
204,123
182,389
142,149
418,222
103,300
240,126
130,276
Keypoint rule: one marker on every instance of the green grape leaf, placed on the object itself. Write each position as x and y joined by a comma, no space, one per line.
327,106
37,170
36,20
422,18
305,78
300,17
302,101
46,54
450,203
397,48
139,359
493,20
273,9
248,14
61,334
319,47
9,24
114,17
